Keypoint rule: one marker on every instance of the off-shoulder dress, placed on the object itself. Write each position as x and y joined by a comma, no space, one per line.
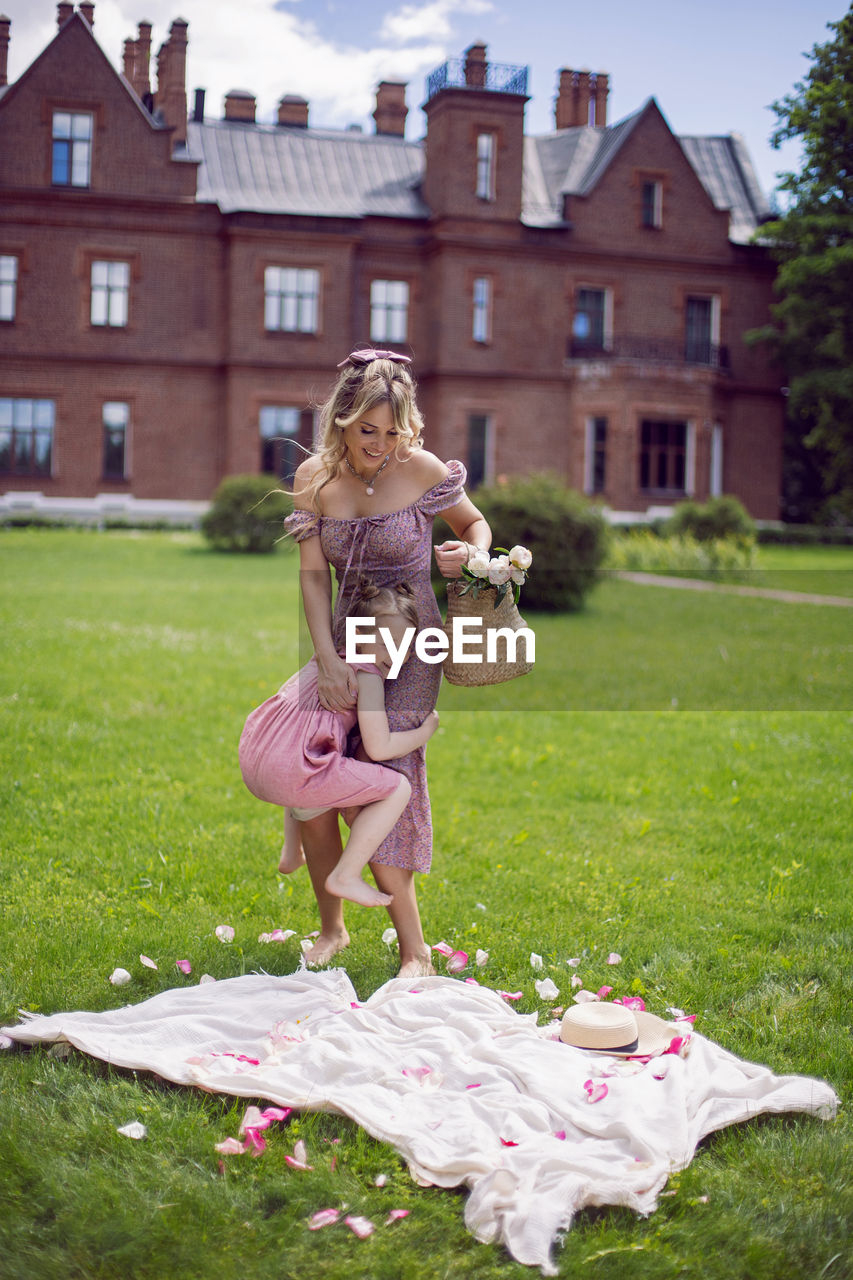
394,547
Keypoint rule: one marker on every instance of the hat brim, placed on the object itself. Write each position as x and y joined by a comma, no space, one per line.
653,1037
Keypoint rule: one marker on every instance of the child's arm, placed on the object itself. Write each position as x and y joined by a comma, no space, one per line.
379,742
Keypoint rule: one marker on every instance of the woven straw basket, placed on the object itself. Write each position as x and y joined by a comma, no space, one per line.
506,616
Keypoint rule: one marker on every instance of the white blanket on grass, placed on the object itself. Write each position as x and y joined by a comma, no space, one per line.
403,1065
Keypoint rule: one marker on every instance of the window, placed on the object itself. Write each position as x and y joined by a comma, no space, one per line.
702,331
72,149
292,299
715,487
482,328
591,327
595,461
486,166
663,456
110,293
8,286
652,204
26,436
389,310
478,448
115,417
280,449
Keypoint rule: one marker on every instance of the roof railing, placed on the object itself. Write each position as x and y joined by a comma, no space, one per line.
495,77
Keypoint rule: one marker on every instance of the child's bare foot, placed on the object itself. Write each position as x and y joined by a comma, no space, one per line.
417,967
326,946
354,889
292,858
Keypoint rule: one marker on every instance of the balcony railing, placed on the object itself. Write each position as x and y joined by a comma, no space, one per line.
641,347
498,77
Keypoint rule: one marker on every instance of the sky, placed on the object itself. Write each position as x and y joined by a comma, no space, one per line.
713,68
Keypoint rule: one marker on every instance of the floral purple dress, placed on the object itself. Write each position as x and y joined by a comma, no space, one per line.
391,548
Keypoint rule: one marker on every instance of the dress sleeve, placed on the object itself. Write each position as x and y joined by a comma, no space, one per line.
447,492
303,524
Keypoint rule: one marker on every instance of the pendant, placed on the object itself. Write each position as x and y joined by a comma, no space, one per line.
370,491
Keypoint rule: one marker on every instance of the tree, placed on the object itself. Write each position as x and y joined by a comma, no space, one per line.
812,329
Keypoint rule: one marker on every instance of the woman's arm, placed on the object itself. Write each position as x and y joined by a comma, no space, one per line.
336,684
378,740
472,530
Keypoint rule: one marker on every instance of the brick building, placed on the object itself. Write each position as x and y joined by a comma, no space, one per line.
174,292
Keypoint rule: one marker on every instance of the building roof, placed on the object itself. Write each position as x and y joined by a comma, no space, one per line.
267,168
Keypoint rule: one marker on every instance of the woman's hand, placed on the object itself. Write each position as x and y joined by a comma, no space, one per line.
450,557
431,723
337,685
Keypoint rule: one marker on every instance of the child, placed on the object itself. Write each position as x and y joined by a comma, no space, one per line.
292,751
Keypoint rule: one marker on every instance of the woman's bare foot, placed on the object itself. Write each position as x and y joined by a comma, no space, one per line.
417,967
354,889
326,946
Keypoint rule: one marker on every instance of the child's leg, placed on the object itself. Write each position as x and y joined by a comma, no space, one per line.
321,840
292,856
367,832
415,955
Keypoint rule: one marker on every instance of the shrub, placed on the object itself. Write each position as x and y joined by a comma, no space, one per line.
567,535
246,514
722,517
642,551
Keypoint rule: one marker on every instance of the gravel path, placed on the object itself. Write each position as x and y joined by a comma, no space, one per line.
730,588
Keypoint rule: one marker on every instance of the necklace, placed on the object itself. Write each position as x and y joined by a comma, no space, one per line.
368,483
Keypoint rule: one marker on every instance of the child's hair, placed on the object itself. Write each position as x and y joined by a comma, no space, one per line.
369,601
363,383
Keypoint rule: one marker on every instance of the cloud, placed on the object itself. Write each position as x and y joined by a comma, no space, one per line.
427,21
266,46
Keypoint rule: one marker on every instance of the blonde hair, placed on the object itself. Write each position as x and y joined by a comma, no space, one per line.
369,601
358,388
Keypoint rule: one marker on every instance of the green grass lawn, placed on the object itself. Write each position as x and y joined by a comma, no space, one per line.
673,782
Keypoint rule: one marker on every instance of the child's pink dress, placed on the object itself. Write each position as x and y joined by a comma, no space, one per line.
292,750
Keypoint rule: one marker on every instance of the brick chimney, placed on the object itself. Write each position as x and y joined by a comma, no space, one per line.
601,90
171,96
87,10
577,90
240,106
391,110
5,24
475,66
293,111
64,11
142,61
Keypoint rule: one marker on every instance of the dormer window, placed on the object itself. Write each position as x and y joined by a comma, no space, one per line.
486,166
72,149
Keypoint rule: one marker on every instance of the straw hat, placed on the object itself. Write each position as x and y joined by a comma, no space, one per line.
613,1029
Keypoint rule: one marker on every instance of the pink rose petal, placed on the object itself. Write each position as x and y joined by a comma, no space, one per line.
252,1118
148,962
561,1134
574,962
505,1142
472,982
584,997
457,961
678,1014
474,1086
577,980
595,1092
224,932
276,1113
230,1147
510,995
614,958
417,1073
299,1159
632,1002
443,949
119,977
603,991
323,1218
184,966
481,958
380,1180
396,1214
361,1227
254,1143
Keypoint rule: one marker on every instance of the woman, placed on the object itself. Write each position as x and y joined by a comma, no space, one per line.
365,503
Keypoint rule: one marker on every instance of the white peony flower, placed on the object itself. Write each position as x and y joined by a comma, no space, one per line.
521,557
500,570
519,576
479,564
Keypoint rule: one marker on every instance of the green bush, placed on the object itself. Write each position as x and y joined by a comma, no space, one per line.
806,535
246,514
642,551
567,535
723,517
